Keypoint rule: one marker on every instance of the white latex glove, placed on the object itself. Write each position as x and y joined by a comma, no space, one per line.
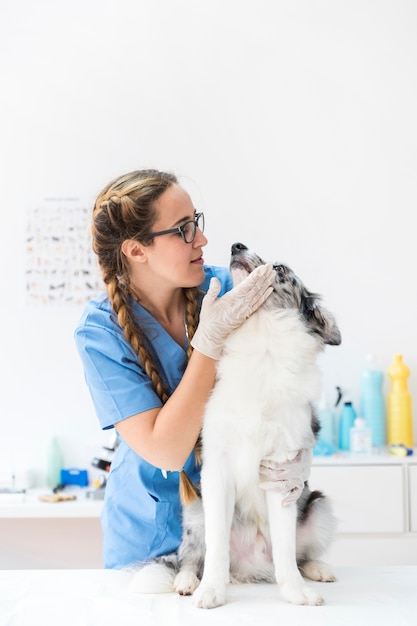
219,316
287,477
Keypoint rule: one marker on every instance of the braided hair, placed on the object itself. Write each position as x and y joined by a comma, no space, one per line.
124,210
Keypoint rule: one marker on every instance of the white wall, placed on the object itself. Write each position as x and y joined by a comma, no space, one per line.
293,124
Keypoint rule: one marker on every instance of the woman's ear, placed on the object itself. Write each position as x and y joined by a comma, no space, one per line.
134,250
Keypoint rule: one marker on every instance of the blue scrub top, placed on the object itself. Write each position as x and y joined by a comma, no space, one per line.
141,517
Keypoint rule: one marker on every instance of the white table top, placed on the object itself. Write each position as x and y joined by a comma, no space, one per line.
367,596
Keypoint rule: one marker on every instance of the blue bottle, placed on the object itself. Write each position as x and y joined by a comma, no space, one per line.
372,401
346,422
326,443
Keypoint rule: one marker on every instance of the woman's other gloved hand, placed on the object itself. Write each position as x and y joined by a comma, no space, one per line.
287,477
219,316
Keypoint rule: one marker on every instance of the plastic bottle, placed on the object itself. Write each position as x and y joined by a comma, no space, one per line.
53,463
372,401
360,437
326,443
346,422
399,405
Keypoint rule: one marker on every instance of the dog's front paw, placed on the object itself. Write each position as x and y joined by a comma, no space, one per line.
208,596
186,583
300,595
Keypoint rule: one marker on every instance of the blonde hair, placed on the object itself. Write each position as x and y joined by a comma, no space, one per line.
125,210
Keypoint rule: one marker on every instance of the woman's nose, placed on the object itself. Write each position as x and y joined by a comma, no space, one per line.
200,238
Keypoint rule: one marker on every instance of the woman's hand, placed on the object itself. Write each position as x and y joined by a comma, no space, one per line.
219,316
287,477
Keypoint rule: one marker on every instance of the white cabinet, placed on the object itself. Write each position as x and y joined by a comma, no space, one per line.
375,502
366,499
41,535
412,488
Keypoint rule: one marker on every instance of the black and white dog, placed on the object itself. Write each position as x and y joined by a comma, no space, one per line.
261,409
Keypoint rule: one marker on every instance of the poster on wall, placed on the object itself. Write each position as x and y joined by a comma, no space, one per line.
61,267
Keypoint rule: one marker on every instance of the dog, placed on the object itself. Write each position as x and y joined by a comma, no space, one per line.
261,409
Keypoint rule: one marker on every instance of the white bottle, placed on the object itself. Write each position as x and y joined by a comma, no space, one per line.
53,463
360,437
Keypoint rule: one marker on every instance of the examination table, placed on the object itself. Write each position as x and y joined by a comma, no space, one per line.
362,596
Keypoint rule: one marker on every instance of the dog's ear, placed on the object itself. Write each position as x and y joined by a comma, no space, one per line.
321,321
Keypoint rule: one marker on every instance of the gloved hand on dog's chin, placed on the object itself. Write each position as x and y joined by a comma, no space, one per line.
220,316
287,477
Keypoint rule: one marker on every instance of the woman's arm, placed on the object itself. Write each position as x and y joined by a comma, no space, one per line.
166,436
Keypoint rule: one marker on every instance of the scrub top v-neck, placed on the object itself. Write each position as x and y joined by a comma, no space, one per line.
141,516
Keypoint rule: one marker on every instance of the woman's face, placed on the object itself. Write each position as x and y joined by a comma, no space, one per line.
173,261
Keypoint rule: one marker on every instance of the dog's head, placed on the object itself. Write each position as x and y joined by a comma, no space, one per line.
289,293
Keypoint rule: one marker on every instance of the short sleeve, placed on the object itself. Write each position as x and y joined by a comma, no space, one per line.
118,385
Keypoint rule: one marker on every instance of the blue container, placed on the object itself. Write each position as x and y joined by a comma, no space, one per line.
74,476
372,402
346,422
326,440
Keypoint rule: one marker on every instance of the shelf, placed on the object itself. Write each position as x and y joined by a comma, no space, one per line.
32,507
378,457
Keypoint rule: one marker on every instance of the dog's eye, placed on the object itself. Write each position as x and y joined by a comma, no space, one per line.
281,270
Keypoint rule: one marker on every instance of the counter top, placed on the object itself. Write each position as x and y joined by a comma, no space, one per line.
375,596
377,457
31,507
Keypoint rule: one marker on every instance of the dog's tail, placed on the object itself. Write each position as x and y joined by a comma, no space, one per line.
154,577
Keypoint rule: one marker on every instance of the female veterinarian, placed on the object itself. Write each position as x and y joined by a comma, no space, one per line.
149,348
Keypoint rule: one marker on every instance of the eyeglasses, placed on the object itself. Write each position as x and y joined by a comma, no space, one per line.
187,231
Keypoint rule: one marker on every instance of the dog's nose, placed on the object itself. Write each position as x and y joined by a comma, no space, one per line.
238,247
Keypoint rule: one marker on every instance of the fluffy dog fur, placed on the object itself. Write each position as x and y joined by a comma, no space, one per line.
261,408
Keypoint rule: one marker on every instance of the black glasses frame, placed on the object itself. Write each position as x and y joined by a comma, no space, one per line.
198,222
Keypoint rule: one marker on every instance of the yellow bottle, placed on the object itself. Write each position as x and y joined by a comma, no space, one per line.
399,413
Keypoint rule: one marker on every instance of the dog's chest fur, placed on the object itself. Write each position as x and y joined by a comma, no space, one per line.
261,405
